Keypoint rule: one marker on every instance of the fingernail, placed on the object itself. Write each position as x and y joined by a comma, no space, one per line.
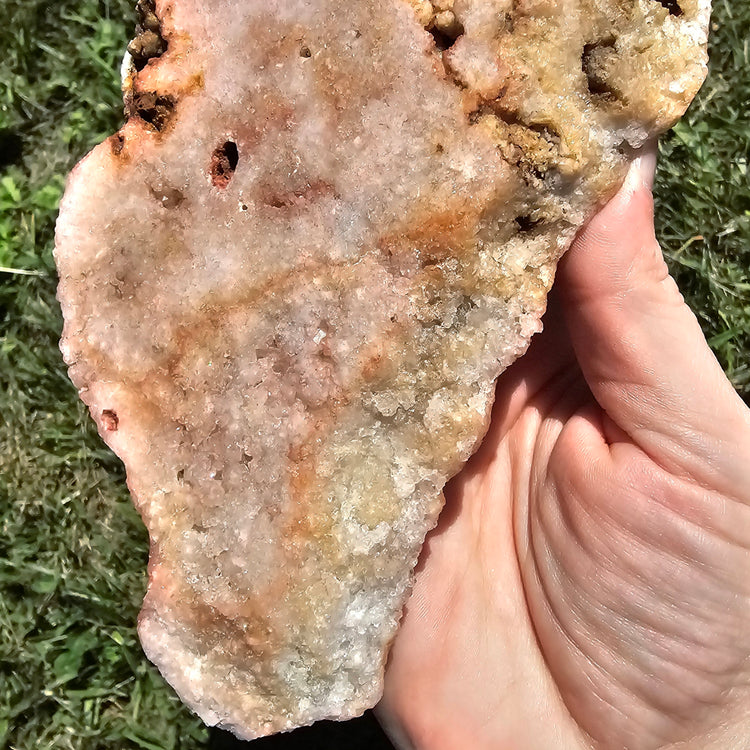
641,171
647,163
633,179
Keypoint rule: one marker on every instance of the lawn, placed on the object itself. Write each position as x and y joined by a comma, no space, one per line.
72,550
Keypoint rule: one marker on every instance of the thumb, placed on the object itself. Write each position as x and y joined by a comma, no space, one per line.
641,349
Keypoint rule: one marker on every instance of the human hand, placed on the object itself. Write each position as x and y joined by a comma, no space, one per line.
588,583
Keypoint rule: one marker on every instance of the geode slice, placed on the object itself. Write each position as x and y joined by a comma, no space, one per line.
292,278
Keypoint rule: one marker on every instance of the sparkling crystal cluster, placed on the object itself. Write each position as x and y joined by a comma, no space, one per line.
291,279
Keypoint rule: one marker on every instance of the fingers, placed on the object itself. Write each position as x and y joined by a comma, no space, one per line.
641,349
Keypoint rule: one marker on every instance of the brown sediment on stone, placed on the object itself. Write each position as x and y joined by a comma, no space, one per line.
152,108
117,144
290,283
110,422
224,161
591,63
148,42
155,108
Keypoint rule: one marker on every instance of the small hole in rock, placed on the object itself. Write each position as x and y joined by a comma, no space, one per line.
181,475
152,108
305,52
672,6
117,144
442,41
439,149
527,223
277,201
445,30
110,421
594,70
223,164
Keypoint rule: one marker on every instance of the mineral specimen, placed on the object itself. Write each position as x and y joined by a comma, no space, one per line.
291,279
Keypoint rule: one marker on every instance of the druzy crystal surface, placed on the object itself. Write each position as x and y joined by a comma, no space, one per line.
291,279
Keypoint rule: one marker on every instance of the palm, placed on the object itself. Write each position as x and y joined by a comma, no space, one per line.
588,581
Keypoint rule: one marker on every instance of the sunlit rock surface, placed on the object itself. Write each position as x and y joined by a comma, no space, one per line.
290,281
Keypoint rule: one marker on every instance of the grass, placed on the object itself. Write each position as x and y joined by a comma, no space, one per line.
703,196
72,550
